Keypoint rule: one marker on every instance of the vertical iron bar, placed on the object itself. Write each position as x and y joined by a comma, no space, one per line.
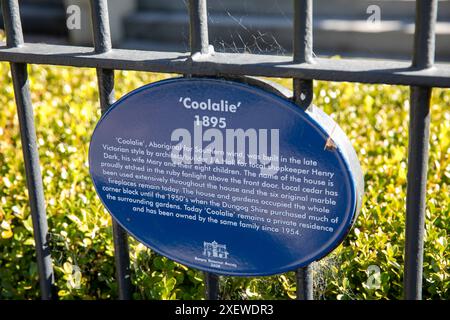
303,95
211,286
105,79
13,28
12,22
302,49
419,131
424,35
198,26
122,259
419,127
199,43
303,31
305,289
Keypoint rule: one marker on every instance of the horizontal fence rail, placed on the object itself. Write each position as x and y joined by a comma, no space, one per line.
351,70
421,75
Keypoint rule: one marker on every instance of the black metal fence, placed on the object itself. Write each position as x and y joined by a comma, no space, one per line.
421,75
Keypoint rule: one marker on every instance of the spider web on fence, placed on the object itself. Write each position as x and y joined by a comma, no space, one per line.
328,270
237,31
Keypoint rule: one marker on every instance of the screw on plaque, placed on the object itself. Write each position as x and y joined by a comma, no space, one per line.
330,145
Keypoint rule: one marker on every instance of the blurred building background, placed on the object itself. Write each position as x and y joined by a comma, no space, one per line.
348,28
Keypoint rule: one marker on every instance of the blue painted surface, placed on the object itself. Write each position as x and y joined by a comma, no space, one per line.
153,112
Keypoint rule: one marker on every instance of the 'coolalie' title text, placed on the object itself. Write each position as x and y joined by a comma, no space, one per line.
210,141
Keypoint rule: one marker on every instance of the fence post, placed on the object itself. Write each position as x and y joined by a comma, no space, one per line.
419,131
303,95
105,79
198,26
211,286
199,44
14,38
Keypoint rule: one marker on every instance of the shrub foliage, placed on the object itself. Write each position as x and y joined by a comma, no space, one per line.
66,107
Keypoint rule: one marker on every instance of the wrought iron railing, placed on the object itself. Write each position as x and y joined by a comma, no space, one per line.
421,75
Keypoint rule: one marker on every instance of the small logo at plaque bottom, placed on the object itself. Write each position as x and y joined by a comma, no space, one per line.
215,250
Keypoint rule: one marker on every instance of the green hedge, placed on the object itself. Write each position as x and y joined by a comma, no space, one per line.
375,117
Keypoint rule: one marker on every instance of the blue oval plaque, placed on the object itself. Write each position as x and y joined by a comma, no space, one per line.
226,177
